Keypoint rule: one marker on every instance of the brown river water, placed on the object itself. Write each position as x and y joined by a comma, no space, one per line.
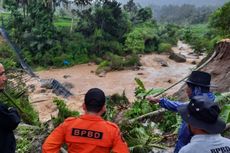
82,78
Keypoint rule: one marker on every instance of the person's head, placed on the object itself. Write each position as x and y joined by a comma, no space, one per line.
95,101
198,82
202,116
2,77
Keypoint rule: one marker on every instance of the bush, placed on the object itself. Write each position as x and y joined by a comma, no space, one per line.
81,59
212,43
63,112
116,62
137,39
199,36
7,56
96,59
101,47
134,43
59,60
164,47
103,67
132,60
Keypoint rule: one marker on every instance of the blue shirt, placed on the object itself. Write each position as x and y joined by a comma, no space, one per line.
184,135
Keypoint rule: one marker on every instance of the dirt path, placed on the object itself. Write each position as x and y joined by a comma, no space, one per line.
151,73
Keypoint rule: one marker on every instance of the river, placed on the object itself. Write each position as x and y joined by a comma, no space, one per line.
153,75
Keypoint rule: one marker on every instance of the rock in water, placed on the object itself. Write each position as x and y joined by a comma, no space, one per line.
177,57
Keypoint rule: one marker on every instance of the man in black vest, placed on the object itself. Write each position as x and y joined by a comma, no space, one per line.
9,120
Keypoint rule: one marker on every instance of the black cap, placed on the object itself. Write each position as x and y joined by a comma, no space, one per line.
94,98
203,113
199,78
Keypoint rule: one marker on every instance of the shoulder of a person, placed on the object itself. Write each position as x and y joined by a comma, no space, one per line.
112,124
225,139
186,149
3,106
189,148
69,119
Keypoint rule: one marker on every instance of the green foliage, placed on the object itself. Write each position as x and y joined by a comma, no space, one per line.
137,39
96,59
225,113
33,30
132,60
169,33
139,108
199,36
169,122
116,62
131,7
220,20
135,42
144,135
107,17
29,138
115,104
16,96
103,67
58,60
141,92
224,102
141,139
63,112
141,105
62,22
164,47
143,15
23,143
7,57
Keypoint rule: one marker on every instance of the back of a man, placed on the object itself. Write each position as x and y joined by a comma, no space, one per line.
204,122
88,133
212,143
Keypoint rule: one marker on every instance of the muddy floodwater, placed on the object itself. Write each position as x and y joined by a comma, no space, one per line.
152,73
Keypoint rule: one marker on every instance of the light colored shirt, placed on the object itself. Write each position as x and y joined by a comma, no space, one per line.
207,143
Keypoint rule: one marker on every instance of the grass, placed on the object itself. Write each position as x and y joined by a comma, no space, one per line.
63,21
199,29
58,21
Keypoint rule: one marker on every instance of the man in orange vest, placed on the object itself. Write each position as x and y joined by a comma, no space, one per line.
88,133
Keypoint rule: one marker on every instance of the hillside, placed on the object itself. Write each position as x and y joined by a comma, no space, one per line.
219,68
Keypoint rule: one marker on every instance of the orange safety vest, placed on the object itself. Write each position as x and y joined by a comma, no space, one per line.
86,134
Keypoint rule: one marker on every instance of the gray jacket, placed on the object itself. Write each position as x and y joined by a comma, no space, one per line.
208,143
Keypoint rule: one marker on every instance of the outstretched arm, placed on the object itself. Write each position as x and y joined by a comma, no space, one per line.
170,105
165,103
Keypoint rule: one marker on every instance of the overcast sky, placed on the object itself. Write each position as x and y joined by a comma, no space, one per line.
178,2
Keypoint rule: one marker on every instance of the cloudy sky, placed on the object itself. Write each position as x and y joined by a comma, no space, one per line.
178,2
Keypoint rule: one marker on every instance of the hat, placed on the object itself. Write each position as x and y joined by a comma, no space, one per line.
95,97
199,78
202,113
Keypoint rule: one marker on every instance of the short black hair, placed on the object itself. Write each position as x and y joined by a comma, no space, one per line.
94,100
